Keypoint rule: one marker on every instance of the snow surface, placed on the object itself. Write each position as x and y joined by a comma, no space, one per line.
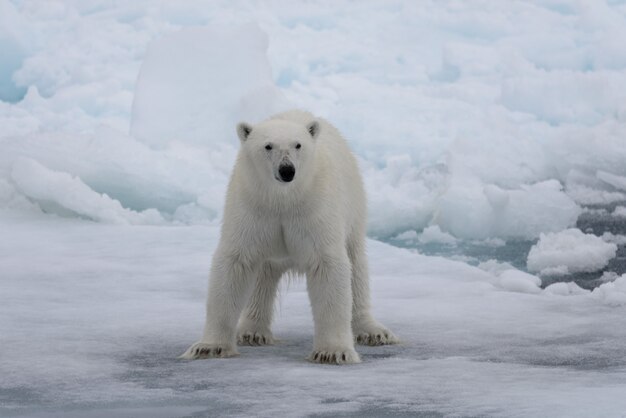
482,125
570,251
94,316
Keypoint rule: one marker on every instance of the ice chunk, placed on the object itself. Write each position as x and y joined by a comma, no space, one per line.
400,195
592,156
433,234
518,281
495,267
409,235
612,293
618,182
196,84
490,242
614,238
569,251
565,289
469,210
71,194
548,94
497,197
619,211
590,196
13,200
129,171
13,35
507,277
560,270
608,276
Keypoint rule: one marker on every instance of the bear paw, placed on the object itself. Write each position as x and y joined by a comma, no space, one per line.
202,350
334,357
375,334
255,338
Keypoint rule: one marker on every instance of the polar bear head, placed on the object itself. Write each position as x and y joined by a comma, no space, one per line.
280,151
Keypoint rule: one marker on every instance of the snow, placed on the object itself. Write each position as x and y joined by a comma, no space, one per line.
196,82
570,251
473,126
407,236
616,239
12,26
468,210
510,117
565,289
587,189
491,242
518,281
588,196
433,234
48,187
507,277
612,293
618,182
619,211
122,302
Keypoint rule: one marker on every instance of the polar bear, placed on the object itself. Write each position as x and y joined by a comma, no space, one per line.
295,204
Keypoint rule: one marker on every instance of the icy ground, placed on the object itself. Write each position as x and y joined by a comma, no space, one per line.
485,132
93,316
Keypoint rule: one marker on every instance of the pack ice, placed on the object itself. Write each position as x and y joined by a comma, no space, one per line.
496,125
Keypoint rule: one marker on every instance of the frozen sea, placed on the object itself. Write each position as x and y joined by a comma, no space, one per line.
491,138
94,316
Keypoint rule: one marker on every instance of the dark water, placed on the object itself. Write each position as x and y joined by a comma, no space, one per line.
515,252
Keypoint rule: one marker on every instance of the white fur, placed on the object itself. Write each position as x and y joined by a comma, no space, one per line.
313,225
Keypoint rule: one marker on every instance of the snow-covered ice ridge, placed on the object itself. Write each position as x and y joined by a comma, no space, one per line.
494,121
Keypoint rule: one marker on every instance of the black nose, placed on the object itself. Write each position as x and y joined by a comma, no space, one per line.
287,172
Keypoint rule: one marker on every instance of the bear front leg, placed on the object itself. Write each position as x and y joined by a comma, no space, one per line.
328,284
255,323
366,329
229,288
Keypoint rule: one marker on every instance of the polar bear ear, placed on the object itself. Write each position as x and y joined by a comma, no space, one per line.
243,130
313,128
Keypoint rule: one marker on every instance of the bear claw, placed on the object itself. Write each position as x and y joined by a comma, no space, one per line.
334,357
254,338
380,336
202,350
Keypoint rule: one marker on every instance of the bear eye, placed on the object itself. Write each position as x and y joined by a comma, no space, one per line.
268,147
298,146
